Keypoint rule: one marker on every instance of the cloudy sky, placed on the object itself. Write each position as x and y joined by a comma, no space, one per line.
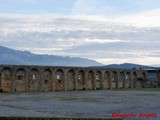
108,31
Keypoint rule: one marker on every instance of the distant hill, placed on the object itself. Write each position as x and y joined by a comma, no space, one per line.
10,56
126,66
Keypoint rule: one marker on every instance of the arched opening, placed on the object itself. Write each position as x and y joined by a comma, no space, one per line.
144,75
34,80
80,80
6,81
107,81
90,81
20,82
128,80
59,83
98,80
70,80
122,79
135,82
47,81
134,75
114,80
139,83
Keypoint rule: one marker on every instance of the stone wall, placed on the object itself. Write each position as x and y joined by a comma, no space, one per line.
18,78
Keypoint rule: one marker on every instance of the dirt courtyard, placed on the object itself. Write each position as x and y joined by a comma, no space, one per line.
102,103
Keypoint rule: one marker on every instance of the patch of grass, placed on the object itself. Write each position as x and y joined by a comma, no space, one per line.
70,99
77,99
147,89
154,89
16,107
138,89
145,94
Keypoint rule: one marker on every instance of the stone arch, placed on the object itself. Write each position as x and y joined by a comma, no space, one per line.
90,80
139,83
107,81
59,82
128,80
81,80
70,80
47,83
134,76
34,80
114,79
20,81
122,79
6,82
98,80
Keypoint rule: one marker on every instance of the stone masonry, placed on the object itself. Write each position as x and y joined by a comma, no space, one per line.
23,78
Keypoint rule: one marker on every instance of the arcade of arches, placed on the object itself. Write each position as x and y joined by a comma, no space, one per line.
18,78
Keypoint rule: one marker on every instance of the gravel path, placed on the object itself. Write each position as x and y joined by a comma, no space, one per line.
81,104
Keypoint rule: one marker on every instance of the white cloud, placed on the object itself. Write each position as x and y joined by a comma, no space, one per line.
108,40
144,19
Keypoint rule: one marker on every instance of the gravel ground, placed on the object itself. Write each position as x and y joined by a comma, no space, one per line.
81,104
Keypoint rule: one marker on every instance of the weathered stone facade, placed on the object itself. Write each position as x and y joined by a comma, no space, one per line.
21,78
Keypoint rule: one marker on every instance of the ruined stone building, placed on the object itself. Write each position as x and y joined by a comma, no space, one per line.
18,78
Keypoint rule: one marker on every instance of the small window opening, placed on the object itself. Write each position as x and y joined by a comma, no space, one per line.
46,81
58,77
59,81
97,78
19,77
79,77
33,77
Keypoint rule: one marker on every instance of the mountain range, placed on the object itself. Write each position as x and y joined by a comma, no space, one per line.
127,66
16,57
